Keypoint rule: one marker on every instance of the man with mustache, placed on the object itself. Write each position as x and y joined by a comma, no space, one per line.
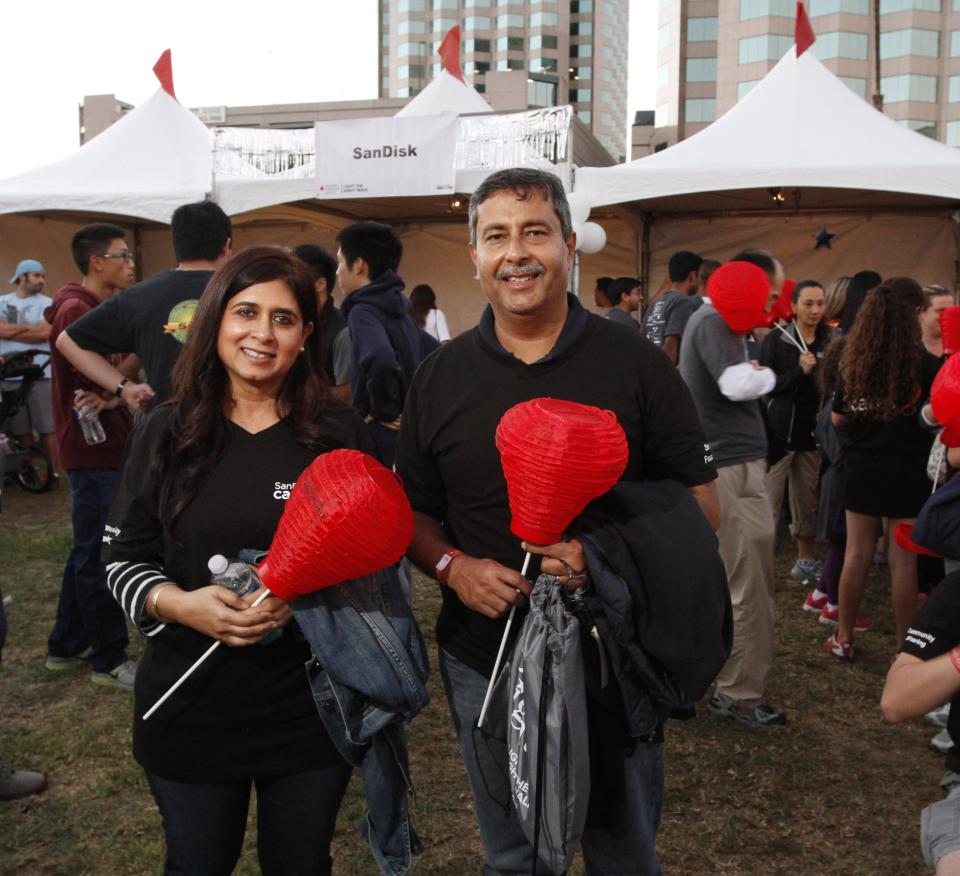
534,340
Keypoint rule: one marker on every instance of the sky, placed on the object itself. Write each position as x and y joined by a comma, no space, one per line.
57,51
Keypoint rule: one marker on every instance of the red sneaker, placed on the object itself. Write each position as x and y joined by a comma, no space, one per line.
815,603
830,615
840,650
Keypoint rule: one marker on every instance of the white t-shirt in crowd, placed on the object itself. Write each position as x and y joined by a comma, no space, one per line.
436,326
23,311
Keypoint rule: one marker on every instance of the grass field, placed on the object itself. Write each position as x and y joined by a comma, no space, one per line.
838,792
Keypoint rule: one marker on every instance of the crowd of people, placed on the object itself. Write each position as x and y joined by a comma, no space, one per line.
218,382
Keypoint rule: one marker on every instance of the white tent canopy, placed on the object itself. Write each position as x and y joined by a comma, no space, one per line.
800,128
446,94
147,164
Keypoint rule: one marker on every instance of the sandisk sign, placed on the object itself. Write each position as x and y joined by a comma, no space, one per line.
372,158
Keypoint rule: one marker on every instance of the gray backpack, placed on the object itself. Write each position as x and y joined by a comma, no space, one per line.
547,728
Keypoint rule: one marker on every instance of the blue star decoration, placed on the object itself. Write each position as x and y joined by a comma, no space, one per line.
823,239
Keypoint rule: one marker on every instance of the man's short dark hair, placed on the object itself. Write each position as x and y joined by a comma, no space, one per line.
804,284
92,240
523,181
200,231
603,283
321,263
682,264
707,267
761,258
377,244
620,287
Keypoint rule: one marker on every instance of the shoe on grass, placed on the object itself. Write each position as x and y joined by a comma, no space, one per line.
803,569
59,664
757,717
840,650
121,676
942,742
830,615
15,784
938,717
816,601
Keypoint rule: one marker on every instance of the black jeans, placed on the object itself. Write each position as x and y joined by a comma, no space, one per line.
204,824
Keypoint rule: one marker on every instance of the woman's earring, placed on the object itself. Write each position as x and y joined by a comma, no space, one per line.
302,349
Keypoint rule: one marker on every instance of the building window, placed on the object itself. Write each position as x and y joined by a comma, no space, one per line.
543,65
509,21
912,41
584,72
831,7
744,88
442,25
510,64
540,94
953,89
767,8
412,6
408,91
385,83
841,44
385,62
444,4
855,84
581,95
928,129
901,5
476,22
578,6
476,46
663,76
663,37
385,40
581,50
543,41
412,25
410,71
473,4
766,47
476,68
954,43
701,69
581,28
584,116
953,128
701,30
701,109
544,19
909,86
509,44
404,50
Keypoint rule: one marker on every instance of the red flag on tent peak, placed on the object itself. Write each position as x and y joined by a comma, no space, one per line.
163,70
450,52
803,31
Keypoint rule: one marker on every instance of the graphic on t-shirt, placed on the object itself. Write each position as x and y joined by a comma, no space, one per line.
180,318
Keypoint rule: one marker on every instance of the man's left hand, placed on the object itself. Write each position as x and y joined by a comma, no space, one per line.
566,560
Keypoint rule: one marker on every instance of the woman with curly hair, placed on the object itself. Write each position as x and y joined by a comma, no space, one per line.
884,377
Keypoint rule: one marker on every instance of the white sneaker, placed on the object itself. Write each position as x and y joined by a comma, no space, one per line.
942,742
938,717
121,676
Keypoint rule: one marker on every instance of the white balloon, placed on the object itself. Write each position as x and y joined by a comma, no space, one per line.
578,230
594,238
579,206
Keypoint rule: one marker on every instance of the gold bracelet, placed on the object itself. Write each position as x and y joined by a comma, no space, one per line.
153,601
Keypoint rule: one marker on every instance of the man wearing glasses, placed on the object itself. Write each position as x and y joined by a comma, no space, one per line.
90,625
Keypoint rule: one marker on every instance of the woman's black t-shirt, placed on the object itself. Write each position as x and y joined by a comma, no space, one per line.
247,711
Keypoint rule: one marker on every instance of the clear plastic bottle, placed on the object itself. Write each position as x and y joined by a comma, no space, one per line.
90,423
241,579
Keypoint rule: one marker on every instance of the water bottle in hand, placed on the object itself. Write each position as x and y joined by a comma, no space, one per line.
90,423
241,579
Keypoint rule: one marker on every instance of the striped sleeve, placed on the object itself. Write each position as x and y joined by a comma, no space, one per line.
130,583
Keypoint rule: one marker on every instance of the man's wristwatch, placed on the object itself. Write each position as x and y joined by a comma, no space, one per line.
119,390
442,570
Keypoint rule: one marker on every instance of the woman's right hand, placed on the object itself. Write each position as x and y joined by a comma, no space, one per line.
220,614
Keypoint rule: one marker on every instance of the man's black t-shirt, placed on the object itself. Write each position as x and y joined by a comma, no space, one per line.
937,631
249,710
450,465
150,319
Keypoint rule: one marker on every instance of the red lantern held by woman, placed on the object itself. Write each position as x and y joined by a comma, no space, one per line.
945,399
950,330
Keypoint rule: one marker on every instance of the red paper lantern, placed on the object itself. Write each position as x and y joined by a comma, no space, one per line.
739,293
945,399
557,456
347,516
903,536
950,330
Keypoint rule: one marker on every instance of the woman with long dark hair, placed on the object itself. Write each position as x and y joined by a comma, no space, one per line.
885,375
423,309
208,473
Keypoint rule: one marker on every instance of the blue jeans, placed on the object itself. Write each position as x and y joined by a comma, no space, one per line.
87,613
626,848
204,824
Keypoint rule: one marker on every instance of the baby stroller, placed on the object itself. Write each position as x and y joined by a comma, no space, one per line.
27,464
